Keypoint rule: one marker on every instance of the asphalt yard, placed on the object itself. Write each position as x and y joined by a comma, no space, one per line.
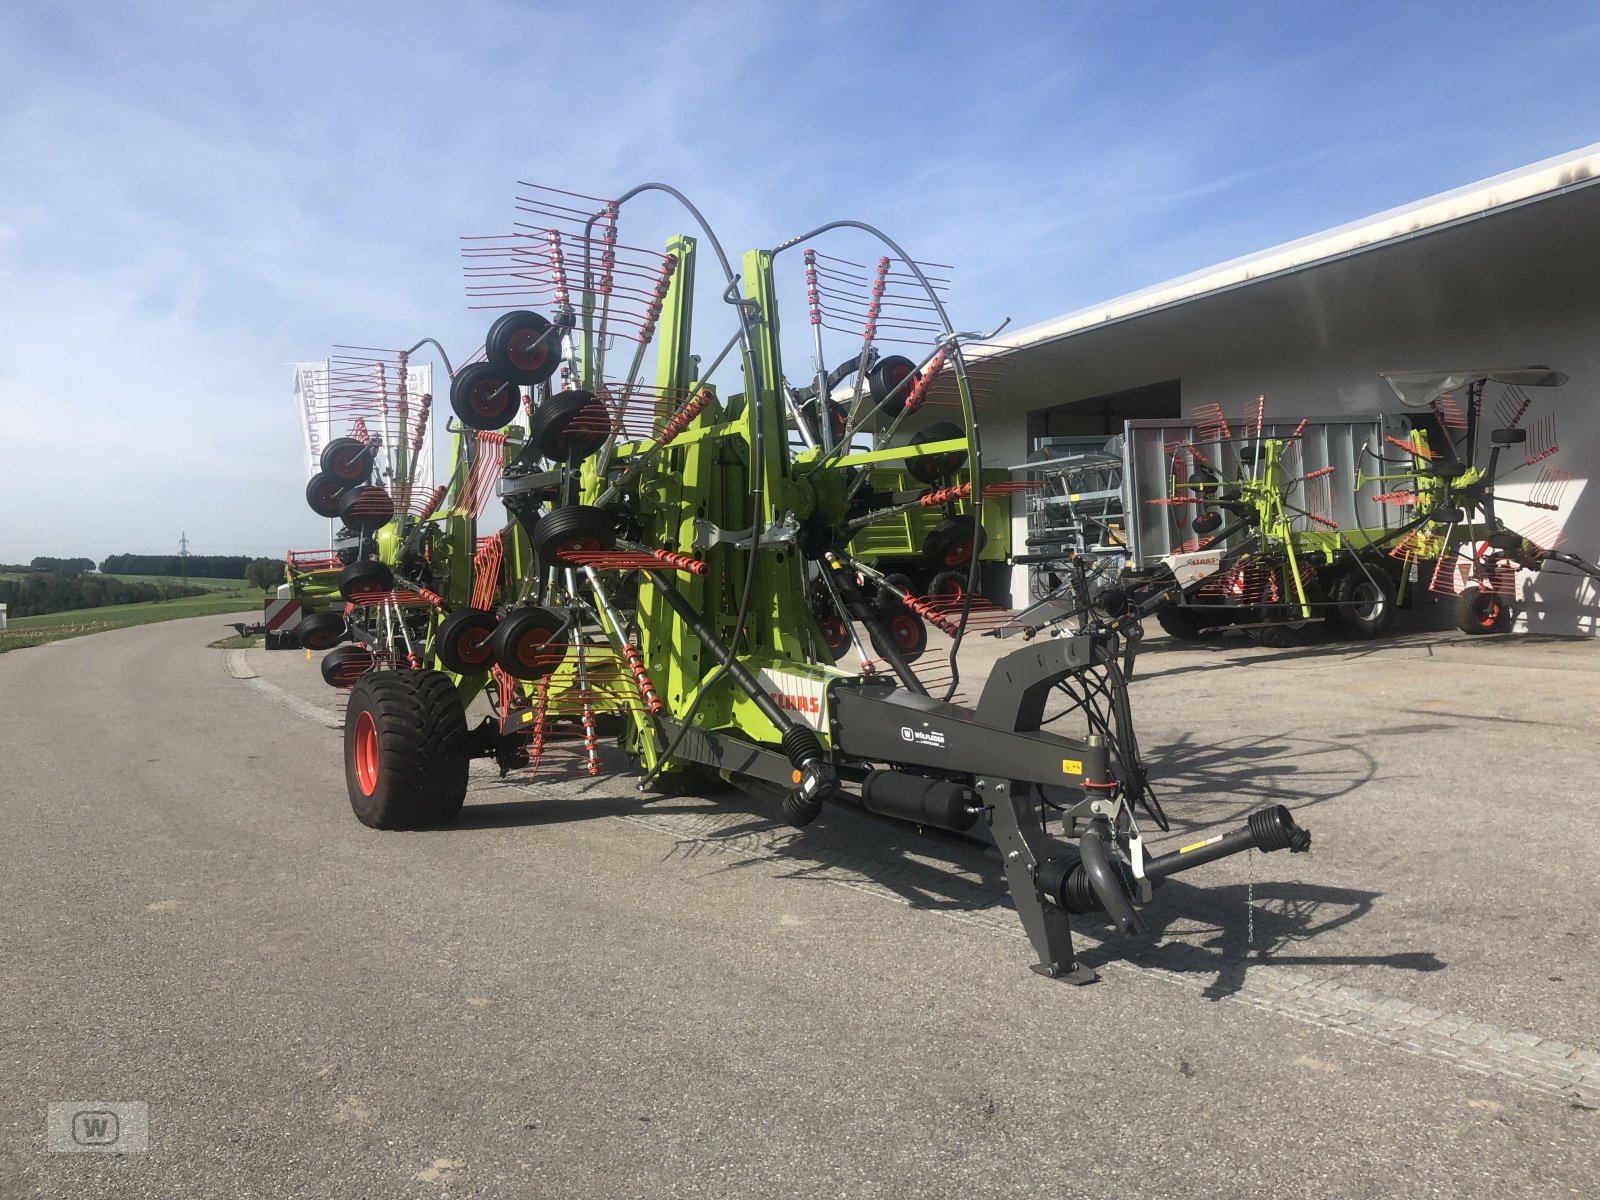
582,991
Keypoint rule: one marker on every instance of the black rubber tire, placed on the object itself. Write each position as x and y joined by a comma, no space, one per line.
347,459
361,579
463,641
885,375
323,495
947,587
839,420
343,665
366,509
1184,622
1479,612
551,431
483,398
1363,607
953,542
1294,631
575,527
885,601
517,643
928,468
406,749
322,631
517,349
835,636
908,632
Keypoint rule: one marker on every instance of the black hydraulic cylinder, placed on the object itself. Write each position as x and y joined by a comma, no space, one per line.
921,800
1268,829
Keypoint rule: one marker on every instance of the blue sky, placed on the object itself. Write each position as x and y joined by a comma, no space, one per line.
194,194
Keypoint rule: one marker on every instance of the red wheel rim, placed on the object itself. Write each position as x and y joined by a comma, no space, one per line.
950,591
526,352
1489,614
904,631
473,646
577,545
533,649
489,398
347,463
833,633
328,495
366,753
898,376
958,554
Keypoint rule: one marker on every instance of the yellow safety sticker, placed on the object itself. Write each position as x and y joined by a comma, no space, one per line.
1197,845
308,653
526,717
1072,766
1075,496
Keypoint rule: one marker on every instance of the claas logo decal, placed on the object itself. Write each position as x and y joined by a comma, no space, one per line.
805,704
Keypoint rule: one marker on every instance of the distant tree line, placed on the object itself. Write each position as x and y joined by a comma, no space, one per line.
51,591
67,566
201,566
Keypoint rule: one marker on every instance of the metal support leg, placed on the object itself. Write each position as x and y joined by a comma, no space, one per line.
1014,822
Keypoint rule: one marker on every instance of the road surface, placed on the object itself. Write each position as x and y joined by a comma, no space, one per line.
575,994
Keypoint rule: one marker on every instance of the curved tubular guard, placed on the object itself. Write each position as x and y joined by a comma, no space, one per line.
1107,887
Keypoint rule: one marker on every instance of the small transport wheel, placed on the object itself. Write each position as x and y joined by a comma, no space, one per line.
577,527
323,493
1288,630
926,468
406,749
462,641
948,587
1185,622
483,398
838,421
1363,605
835,636
528,644
569,424
1478,611
523,348
952,543
886,601
347,459
343,665
884,377
322,631
361,581
366,509
908,633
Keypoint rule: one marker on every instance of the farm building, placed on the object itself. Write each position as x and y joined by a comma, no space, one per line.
1498,273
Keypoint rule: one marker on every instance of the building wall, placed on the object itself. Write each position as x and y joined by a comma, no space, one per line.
1514,288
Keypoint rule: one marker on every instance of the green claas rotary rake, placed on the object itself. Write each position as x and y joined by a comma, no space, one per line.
676,574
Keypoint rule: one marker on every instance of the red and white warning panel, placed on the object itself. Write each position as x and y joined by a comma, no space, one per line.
280,616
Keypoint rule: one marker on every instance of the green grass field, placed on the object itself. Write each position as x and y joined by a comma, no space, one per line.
216,585
34,631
